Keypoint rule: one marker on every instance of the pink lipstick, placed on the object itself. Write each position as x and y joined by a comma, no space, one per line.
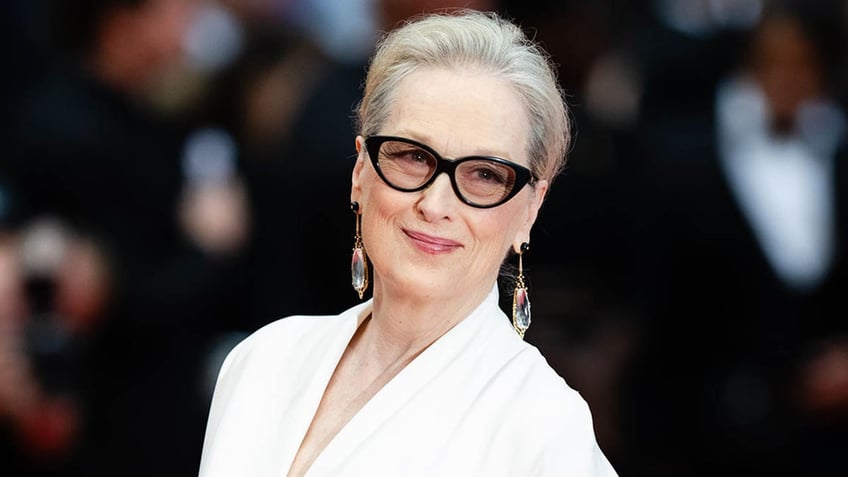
430,244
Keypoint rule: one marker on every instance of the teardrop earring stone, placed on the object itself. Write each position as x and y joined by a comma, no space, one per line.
359,272
521,310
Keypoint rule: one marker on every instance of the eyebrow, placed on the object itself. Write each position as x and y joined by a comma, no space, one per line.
415,136
425,138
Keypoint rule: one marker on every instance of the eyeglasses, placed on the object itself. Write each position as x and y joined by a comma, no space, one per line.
479,181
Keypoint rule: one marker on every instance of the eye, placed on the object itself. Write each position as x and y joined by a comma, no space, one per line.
488,174
417,155
405,155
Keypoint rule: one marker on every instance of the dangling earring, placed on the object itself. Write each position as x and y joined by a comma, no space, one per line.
358,264
520,299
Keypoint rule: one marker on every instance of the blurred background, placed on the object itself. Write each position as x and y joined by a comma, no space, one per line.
176,174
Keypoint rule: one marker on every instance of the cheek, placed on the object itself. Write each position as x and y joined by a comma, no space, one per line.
374,196
494,233
379,206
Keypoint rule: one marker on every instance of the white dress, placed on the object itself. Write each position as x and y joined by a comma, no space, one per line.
478,402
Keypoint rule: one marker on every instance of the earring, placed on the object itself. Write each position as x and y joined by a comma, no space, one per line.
358,264
520,299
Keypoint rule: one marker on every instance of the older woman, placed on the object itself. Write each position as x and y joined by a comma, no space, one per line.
463,128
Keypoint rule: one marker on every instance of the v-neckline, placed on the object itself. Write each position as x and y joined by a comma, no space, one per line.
353,319
392,395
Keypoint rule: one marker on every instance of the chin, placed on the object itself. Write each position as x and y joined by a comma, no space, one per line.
422,282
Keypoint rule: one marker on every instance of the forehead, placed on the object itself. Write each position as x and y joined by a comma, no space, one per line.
460,113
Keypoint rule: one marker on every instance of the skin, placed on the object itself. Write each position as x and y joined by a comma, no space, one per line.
135,44
787,66
434,258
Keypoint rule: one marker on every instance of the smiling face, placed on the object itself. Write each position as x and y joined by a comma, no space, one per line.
428,244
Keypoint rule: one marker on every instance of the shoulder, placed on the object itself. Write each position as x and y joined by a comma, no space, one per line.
272,342
519,375
548,420
544,391
277,341
291,328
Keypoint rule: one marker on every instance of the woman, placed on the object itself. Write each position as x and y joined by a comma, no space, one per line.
428,378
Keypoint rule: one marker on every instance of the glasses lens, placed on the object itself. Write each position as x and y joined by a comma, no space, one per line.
405,165
484,182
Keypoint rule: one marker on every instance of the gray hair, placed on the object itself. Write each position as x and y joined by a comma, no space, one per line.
468,38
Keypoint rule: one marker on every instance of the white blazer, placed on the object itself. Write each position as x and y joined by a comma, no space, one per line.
478,402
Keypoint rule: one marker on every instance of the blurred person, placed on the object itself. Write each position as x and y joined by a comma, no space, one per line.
429,377
258,100
743,368
161,235
52,292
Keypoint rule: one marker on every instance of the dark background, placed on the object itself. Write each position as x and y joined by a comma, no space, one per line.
176,174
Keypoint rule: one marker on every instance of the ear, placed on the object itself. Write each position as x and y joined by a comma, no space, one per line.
358,167
532,211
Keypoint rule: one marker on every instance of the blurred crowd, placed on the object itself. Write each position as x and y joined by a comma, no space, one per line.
176,174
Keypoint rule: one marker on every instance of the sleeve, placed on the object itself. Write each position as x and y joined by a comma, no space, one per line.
568,445
225,386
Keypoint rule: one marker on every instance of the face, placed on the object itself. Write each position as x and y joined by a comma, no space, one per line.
150,35
428,243
163,25
787,67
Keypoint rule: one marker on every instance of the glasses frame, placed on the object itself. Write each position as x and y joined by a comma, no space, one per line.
523,176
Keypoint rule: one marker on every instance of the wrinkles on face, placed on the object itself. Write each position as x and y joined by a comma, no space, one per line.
429,242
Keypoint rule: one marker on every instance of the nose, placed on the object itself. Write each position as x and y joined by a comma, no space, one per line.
437,201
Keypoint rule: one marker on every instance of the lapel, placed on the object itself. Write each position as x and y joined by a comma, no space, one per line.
326,352
393,400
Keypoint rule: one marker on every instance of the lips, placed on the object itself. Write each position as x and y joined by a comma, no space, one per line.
430,244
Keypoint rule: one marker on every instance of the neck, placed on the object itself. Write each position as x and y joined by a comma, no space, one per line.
403,325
